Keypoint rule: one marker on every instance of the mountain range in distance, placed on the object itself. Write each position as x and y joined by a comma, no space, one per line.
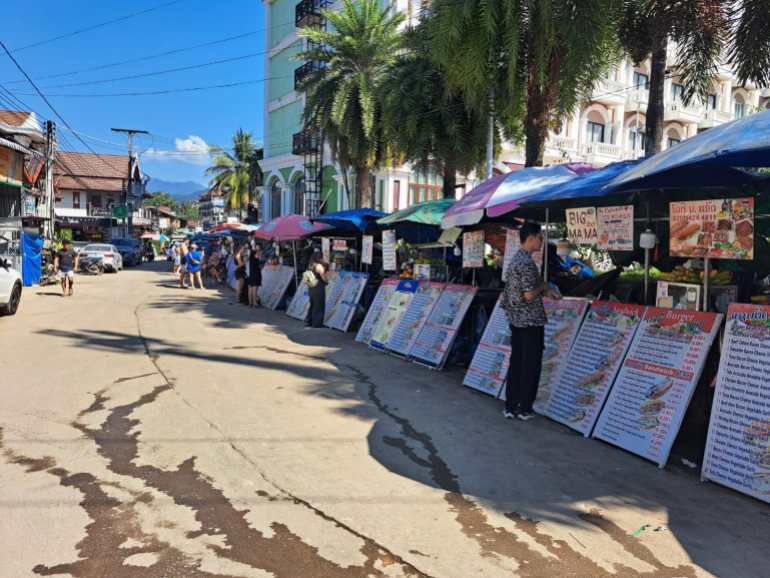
180,190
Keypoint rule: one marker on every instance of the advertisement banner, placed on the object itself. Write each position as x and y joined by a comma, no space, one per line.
581,226
473,249
615,228
489,365
397,306
275,283
300,303
411,323
647,404
717,229
326,250
367,249
389,250
351,288
437,335
376,309
340,245
592,364
738,444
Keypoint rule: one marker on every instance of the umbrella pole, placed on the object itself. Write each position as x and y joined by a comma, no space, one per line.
545,247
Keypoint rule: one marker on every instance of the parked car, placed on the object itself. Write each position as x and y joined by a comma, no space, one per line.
77,246
130,250
10,288
107,255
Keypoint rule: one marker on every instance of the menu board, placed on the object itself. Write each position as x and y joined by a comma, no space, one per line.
647,404
326,249
717,229
300,303
564,319
490,361
340,245
391,316
275,282
473,249
367,249
581,226
333,292
592,364
351,287
411,322
738,444
512,246
615,228
389,250
437,335
376,309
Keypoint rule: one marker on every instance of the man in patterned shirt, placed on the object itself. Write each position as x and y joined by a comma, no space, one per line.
523,305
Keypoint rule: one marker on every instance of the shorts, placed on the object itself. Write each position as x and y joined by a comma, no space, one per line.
177,261
66,275
183,269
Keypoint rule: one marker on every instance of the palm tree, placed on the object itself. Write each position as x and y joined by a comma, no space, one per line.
342,95
423,122
231,171
707,33
525,61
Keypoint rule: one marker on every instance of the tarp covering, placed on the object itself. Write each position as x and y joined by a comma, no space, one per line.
357,220
427,213
31,260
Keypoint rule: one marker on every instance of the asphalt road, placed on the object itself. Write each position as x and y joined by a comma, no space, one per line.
147,431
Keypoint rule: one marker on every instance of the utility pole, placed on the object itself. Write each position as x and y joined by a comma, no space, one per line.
50,201
129,221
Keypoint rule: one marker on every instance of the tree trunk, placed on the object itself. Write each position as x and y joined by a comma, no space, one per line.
450,179
655,105
540,102
363,188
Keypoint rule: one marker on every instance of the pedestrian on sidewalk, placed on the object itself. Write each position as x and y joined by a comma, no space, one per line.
254,280
184,249
65,264
523,305
194,262
315,279
240,274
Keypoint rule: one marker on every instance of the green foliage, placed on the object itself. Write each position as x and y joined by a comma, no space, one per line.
161,199
231,171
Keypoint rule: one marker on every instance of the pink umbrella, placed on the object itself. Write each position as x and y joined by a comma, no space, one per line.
289,228
503,193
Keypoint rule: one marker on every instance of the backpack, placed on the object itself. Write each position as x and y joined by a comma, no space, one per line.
310,279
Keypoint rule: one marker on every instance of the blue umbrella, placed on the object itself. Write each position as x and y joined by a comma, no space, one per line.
589,185
355,220
741,143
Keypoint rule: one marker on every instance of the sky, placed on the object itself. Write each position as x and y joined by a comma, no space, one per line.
182,124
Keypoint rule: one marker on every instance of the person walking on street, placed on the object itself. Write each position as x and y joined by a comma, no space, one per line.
523,305
254,280
65,264
315,279
240,273
184,249
194,263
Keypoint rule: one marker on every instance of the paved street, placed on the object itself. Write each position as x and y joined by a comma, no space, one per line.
153,432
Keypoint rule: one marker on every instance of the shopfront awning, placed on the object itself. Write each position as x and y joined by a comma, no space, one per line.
19,148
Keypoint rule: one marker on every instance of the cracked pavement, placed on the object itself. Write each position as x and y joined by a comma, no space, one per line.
147,431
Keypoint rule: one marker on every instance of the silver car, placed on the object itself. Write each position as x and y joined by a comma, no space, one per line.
101,253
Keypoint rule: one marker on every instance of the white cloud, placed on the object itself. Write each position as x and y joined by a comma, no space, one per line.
193,150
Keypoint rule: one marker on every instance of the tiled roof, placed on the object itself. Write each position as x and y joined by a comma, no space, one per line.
88,171
13,118
88,183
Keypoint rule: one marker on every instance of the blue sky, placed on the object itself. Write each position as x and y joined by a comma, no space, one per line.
186,121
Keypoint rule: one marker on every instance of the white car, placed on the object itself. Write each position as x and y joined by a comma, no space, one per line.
10,288
107,255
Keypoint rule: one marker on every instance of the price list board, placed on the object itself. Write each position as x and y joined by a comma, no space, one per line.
410,324
352,286
275,283
489,365
592,364
333,292
376,309
738,445
300,303
647,404
437,335
390,318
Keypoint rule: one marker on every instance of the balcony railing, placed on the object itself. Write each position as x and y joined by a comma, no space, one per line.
677,110
308,12
638,96
304,143
561,143
302,72
603,149
718,116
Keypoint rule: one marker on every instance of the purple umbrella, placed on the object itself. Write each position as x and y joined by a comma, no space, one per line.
503,193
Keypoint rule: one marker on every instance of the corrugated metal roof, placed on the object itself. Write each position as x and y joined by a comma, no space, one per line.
17,147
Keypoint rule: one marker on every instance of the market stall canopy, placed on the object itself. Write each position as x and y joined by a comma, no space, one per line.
741,143
502,194
356,220
427,213
447,239
289,228
155,236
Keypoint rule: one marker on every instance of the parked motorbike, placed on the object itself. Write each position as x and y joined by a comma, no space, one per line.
91,267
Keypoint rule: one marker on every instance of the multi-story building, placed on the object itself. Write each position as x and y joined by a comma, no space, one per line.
211,208
606,128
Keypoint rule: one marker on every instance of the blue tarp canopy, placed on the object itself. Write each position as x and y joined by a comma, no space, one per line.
741,143
355,220
589,185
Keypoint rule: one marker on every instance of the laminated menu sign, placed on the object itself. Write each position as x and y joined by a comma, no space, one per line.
592,364
440,329
333,292
326,250
581,226
351,287
717,229
376,309
615,228
275,282
738,444
411,323
397,306
490,361
300,303
473,249
367,249
647,404
389,250
564,318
